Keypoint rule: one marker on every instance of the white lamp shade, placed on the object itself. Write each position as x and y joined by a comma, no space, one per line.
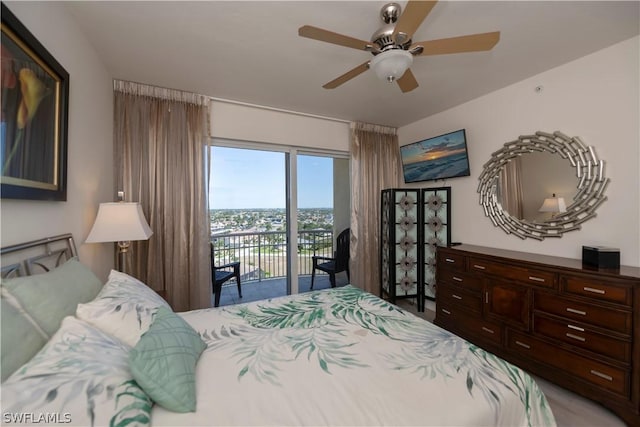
391,64
119,222
553,204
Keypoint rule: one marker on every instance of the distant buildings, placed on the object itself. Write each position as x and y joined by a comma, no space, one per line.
257,238
225,221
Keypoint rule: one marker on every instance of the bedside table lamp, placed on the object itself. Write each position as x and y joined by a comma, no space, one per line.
120,222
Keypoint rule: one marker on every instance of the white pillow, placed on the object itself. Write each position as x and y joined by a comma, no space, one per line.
81,377
124,308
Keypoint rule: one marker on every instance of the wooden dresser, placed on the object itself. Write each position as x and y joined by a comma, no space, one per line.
574,326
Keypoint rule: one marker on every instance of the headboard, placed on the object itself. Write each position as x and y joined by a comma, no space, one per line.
37,256
42,283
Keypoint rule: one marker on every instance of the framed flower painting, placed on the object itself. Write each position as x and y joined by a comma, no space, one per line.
33,126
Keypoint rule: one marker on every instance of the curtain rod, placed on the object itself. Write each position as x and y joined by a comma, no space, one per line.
230,101
280,110
143,89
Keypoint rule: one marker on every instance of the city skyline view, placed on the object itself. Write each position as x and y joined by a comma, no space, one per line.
254,179
248,216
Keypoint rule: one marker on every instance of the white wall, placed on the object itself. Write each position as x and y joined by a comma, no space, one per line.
596,98
247,123
90,141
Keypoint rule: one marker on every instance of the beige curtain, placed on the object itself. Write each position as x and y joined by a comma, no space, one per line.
160,139
510,188
375,165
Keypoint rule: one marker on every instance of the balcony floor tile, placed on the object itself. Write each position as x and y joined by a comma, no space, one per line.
271,288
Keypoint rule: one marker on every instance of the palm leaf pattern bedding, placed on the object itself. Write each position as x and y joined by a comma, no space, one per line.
346,357
80,378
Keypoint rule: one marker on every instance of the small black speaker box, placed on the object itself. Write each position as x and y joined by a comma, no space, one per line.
601,257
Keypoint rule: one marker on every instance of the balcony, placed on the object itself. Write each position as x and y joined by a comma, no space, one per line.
263,262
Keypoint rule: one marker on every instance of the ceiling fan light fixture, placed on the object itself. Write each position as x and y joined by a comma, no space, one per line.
390,65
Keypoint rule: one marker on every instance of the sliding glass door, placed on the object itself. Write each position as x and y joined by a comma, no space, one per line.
248,212
273,211
322,213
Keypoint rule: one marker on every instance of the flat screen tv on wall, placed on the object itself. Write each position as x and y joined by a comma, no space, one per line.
440,157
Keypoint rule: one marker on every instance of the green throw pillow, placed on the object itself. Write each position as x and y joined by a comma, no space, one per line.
50,297
163,362
19,339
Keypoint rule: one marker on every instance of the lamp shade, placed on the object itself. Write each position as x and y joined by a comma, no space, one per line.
119,222
391,64
553,204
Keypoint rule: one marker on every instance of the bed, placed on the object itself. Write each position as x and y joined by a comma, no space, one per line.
115,354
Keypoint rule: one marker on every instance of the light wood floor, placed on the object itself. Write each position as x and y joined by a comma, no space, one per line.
569,409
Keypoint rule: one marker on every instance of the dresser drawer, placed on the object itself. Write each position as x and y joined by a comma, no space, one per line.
490,331
599,289
448,315
456,296
608,318
467,324
531,276
583,336
448,260
463,280
614,379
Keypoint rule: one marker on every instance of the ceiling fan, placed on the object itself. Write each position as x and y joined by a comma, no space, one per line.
393,48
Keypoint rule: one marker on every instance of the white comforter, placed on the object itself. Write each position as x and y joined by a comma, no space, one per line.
345,357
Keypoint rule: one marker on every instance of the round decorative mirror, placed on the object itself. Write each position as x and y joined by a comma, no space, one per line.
542,185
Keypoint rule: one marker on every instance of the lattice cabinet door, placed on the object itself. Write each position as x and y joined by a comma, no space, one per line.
400,251
385,239
436,213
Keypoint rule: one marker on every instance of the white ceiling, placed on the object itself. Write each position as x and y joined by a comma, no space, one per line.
250,51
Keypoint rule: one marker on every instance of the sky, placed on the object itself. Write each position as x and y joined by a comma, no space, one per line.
244,179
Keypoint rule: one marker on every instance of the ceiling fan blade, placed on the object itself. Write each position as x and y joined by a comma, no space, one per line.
335,38
407,82
414,13
470,43
347,76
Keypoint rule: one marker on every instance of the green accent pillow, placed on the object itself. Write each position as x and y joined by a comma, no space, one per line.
50,297
20,339
164,361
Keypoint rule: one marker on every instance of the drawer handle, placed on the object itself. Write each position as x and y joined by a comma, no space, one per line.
479,267
574,311
521,344
594,290
486,297
456,296
575,337
445,311
601,375
577,328
537,279
450,260
457,279
488,330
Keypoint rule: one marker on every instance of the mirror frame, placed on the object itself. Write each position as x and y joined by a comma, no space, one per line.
589,173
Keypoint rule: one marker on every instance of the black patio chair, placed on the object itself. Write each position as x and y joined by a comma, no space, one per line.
336,264
222,273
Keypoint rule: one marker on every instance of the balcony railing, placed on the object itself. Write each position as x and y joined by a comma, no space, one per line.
263,255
